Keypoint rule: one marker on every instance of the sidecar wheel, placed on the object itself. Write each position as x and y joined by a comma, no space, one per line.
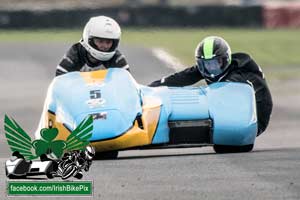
233,149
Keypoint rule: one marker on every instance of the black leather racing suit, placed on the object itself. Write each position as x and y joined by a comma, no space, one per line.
242,69
77,59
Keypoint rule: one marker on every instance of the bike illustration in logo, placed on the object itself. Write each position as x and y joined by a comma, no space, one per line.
58,158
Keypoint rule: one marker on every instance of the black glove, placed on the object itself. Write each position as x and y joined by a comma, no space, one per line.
155,83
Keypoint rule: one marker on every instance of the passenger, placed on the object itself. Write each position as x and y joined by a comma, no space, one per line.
215,63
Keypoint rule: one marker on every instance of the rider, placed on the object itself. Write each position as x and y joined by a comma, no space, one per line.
98,48
215,63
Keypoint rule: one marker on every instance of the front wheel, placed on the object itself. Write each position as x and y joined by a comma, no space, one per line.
233,149
49,175
106,155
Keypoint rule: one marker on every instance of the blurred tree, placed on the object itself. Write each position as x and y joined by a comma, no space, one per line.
163,2
249,2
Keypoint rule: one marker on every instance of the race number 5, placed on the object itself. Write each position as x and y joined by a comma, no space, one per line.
95,94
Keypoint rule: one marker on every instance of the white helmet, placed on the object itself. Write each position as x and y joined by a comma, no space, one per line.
89,152
101,27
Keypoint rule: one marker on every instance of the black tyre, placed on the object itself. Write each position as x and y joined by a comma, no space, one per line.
16,177
79,175
106,155
49,175
233,149
69,171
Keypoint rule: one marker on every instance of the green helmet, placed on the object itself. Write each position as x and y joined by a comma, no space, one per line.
213,56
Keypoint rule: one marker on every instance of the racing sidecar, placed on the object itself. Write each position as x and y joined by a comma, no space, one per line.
18,167
128,115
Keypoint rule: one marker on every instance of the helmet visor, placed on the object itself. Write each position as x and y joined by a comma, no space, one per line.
103,44
211,67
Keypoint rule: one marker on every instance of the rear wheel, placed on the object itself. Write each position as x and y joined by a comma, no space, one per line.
106,155
69,171
79,175
232,149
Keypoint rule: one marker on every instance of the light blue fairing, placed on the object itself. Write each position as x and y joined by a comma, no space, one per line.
120,102
162,93
177,104
233,110
231,106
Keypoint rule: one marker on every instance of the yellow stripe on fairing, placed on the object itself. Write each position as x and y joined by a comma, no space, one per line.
94,76
136,136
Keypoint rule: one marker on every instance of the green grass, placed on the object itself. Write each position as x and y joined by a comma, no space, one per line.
267,47
38,36
270,48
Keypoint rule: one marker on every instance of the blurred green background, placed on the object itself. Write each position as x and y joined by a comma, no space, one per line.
272,49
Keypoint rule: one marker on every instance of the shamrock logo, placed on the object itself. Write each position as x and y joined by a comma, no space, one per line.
20,141
46,145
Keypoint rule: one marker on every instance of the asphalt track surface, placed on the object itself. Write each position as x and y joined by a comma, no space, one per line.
271,171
